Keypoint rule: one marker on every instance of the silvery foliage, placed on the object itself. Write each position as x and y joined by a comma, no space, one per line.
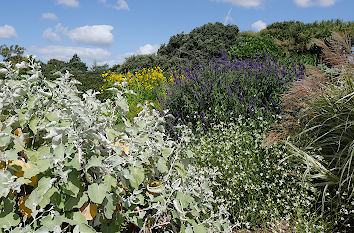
63,135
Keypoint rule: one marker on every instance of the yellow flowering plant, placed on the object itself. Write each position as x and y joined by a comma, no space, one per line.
145,83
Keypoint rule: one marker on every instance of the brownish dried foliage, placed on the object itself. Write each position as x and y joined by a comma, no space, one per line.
336,53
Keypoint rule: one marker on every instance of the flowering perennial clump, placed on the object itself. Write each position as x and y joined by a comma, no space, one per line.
146,79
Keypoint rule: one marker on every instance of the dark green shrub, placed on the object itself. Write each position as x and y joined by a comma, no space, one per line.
247,46
201,44
294,37
136,63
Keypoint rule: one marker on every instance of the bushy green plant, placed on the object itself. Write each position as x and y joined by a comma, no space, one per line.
67,167
294,37
248,46
201,44
259,189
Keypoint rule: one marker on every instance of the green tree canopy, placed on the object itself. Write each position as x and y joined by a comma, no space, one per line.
14,53
202,43
137,62
296,36
75,65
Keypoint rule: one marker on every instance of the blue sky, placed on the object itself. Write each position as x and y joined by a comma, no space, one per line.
107,31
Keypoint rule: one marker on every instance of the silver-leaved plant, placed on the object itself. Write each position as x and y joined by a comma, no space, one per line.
67,166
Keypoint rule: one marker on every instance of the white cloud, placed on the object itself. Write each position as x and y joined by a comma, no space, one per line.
311,3
65,53
51,35
7,32
142,50
259,25
121,5
97,35
70,3
243,3
148,49
49,16
54,35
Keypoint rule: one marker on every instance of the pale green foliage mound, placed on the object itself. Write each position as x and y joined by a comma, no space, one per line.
67,167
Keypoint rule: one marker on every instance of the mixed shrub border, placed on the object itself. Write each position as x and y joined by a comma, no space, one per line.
71,163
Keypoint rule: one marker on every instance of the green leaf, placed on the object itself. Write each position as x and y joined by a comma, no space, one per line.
22,117
82,201
137,177
110,181
189,229
28,173
161,165
75,202
86,228
59,152
179,167
51,116
5,179
74,162
79,218
185,199
199,228
4,141
93,162
111,134
46,198
52,223
37,195
97,192
166,152
43,151
8,206
72,187
9,220
109,206
12,154
33,124
43,164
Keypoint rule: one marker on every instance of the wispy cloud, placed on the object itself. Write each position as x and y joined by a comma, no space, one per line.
243,3
228,17
147,49
313,3
65,53
259,25
51,35
142,50
119,5
49,16
7,32
69,3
